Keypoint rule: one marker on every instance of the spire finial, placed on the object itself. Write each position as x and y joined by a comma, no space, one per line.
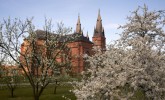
78,21
87,35
99,16
99,11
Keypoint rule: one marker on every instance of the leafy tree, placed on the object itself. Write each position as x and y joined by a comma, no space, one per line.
38,57
135,62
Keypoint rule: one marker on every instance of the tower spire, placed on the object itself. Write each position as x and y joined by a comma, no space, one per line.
99,16
87,35
98,36
99,23
78,26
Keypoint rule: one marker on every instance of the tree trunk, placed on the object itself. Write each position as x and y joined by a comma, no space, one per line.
35,94
36,97
12,92
55,88
56,85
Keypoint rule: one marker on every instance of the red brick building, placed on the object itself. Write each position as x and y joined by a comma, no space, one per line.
82,44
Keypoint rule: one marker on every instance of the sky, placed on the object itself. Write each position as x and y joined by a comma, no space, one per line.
113,12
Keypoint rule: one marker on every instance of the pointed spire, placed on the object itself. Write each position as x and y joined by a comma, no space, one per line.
82,33
99,16
103,31
99,23
87,35
78,21
99,30
78,26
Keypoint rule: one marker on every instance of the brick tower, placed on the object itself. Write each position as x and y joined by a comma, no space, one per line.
80,46
98,36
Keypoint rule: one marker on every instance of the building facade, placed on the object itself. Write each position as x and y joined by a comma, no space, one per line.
81,45
85,46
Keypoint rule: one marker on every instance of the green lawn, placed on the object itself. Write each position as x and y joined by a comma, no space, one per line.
25,93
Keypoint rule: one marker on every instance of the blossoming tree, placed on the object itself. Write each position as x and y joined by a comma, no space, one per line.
136,62
38,59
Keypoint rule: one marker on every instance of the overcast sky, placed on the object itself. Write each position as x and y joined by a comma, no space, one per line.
113,12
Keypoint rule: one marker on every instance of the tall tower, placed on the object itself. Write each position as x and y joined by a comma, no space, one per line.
98,35
80,46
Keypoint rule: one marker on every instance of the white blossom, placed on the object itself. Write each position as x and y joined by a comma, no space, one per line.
135,62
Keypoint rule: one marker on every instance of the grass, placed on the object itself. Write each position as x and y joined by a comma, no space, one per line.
25,93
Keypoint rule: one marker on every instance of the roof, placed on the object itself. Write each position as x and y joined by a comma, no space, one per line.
40,34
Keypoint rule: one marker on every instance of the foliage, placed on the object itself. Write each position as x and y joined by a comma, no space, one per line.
135,61
36,56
